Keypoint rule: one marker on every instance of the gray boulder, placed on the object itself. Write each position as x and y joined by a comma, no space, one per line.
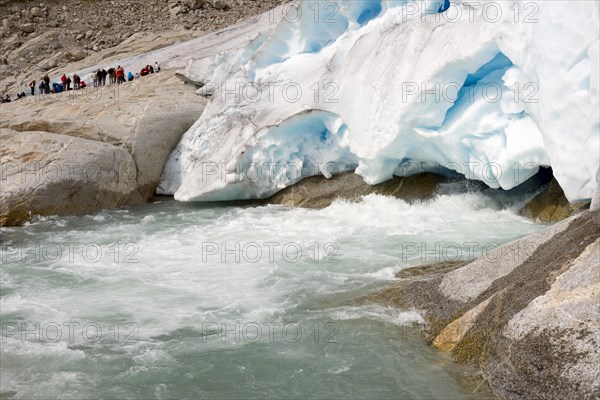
48,174
28,28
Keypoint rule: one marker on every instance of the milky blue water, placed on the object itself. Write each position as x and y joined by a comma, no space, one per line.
172,300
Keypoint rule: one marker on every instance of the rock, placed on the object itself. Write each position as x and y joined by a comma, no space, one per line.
558,331
28,28
221,5
48,174
196,4
145,119
532,326
596,197
95,47
470,281
175,11
51,63
53,24
550,205
319,192
80,36
456,330
89,34
75,54
36,11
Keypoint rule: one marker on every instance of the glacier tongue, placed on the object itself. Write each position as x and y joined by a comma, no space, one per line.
492,90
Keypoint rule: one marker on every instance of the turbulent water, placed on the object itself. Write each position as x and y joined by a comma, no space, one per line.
215,301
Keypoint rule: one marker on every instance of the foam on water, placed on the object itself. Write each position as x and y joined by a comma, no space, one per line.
157,274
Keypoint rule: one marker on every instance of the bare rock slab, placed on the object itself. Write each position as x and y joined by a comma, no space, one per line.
48,174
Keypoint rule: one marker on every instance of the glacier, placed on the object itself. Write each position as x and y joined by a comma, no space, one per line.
492,90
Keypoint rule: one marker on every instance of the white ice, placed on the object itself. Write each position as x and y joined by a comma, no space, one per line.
492,90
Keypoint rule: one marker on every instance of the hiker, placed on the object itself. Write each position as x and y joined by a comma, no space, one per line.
99,77
104,73
67,84
129,76
42,86
6,99
150,68
120,75
145,71
82,85
63,79
111,76
20,95
137,75
95,78
47,84
76,81
156,66
32,87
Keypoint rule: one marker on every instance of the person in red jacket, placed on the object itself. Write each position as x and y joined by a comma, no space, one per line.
63,79
120,74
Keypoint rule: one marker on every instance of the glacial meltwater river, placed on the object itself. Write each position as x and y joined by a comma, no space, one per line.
173,300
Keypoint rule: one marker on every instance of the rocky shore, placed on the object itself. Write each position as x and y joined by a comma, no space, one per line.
526,314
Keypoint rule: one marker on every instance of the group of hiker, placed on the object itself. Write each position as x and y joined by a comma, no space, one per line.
118,76
98,77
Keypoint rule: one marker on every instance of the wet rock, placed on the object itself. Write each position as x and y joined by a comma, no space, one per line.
550,205
320,192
